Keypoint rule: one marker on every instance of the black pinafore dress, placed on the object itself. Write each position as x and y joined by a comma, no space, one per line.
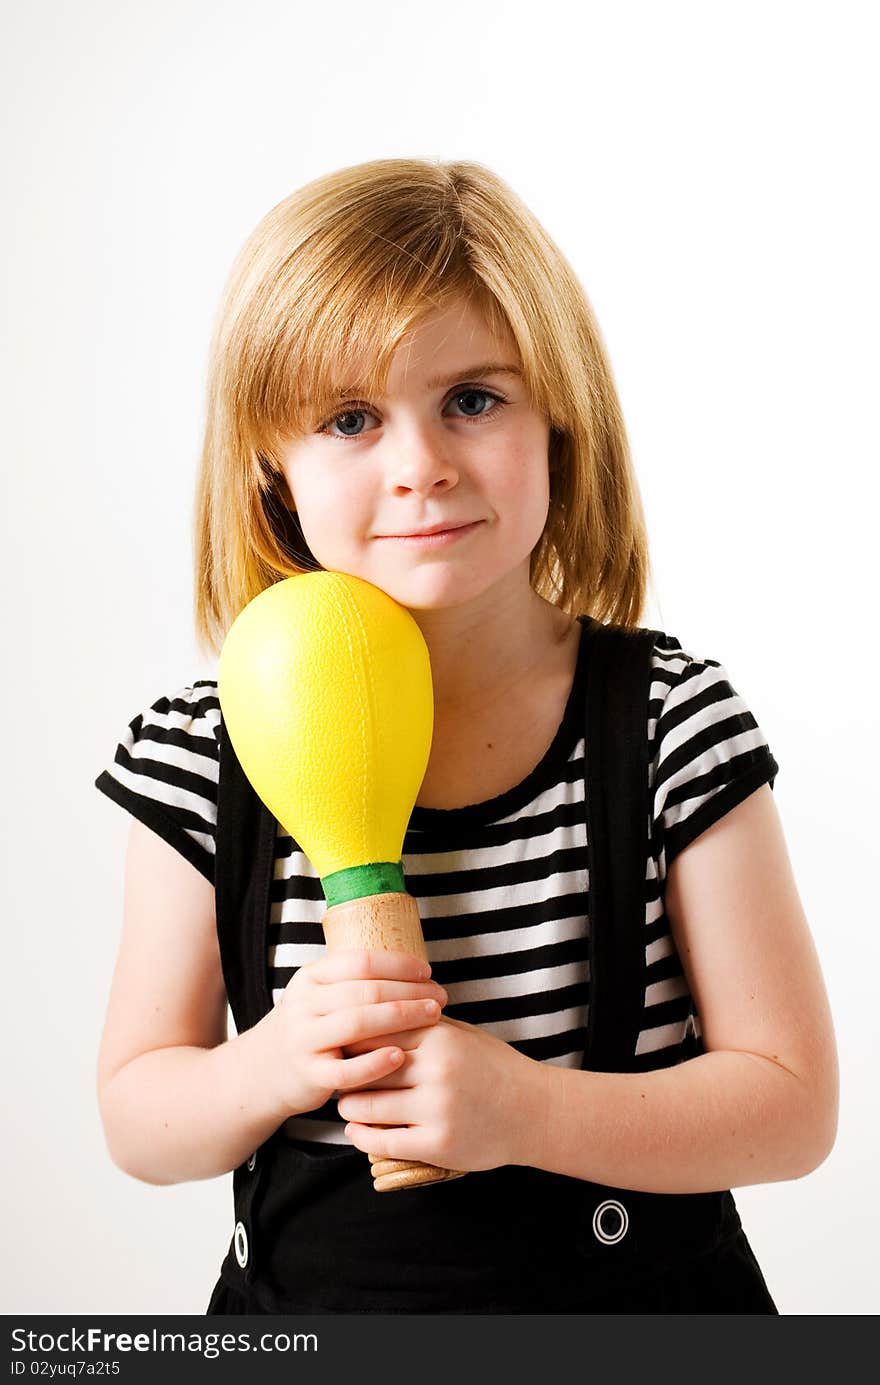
312,1235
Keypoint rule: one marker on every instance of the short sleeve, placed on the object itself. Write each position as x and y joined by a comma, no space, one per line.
166,770
708,752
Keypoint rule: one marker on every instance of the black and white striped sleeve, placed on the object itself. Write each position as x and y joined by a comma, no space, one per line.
166,769
708,752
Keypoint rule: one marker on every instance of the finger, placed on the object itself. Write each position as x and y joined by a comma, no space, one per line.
403,1142
346,1027
378,1066
346,995
378,1107
407,1039
343,964
400,1076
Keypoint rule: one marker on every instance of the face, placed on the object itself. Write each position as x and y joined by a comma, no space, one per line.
448,445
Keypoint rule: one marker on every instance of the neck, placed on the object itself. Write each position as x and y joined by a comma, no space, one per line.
482,650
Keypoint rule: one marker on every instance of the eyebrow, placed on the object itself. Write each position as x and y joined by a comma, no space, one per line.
474,372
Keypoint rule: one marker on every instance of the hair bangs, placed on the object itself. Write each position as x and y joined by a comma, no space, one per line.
338,344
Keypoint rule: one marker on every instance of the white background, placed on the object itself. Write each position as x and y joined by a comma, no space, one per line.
709,170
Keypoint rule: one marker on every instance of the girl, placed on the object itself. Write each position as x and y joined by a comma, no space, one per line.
407,384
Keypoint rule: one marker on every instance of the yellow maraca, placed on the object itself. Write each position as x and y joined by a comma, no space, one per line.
324,683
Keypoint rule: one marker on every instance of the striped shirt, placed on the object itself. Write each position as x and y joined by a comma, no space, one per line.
502,886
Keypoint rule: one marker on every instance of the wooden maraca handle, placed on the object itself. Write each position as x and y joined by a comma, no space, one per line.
386,923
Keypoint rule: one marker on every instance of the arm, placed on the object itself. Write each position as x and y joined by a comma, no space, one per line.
178,1100
761,1104
182,1113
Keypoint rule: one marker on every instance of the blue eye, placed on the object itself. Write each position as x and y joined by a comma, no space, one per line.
462,392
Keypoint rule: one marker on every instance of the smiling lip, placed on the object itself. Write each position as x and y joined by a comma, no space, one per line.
435,536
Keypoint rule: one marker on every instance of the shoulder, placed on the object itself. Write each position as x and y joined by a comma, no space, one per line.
175,740
672,665
690,689
195,705
678,675
194,711
187,719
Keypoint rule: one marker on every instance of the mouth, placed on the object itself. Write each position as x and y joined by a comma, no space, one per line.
435,537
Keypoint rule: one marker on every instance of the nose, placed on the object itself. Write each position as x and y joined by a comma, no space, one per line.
421,463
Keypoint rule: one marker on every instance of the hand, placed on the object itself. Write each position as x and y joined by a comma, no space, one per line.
346,997
461,1099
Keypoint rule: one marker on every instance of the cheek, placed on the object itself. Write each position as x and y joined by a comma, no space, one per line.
527,485
332,517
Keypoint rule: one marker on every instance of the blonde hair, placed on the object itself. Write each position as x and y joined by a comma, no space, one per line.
345,266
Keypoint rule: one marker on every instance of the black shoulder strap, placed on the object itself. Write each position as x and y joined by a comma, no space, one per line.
618,833
243,871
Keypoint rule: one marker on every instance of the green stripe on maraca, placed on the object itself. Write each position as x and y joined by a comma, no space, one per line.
357,882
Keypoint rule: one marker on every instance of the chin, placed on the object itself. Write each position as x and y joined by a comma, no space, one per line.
434,591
